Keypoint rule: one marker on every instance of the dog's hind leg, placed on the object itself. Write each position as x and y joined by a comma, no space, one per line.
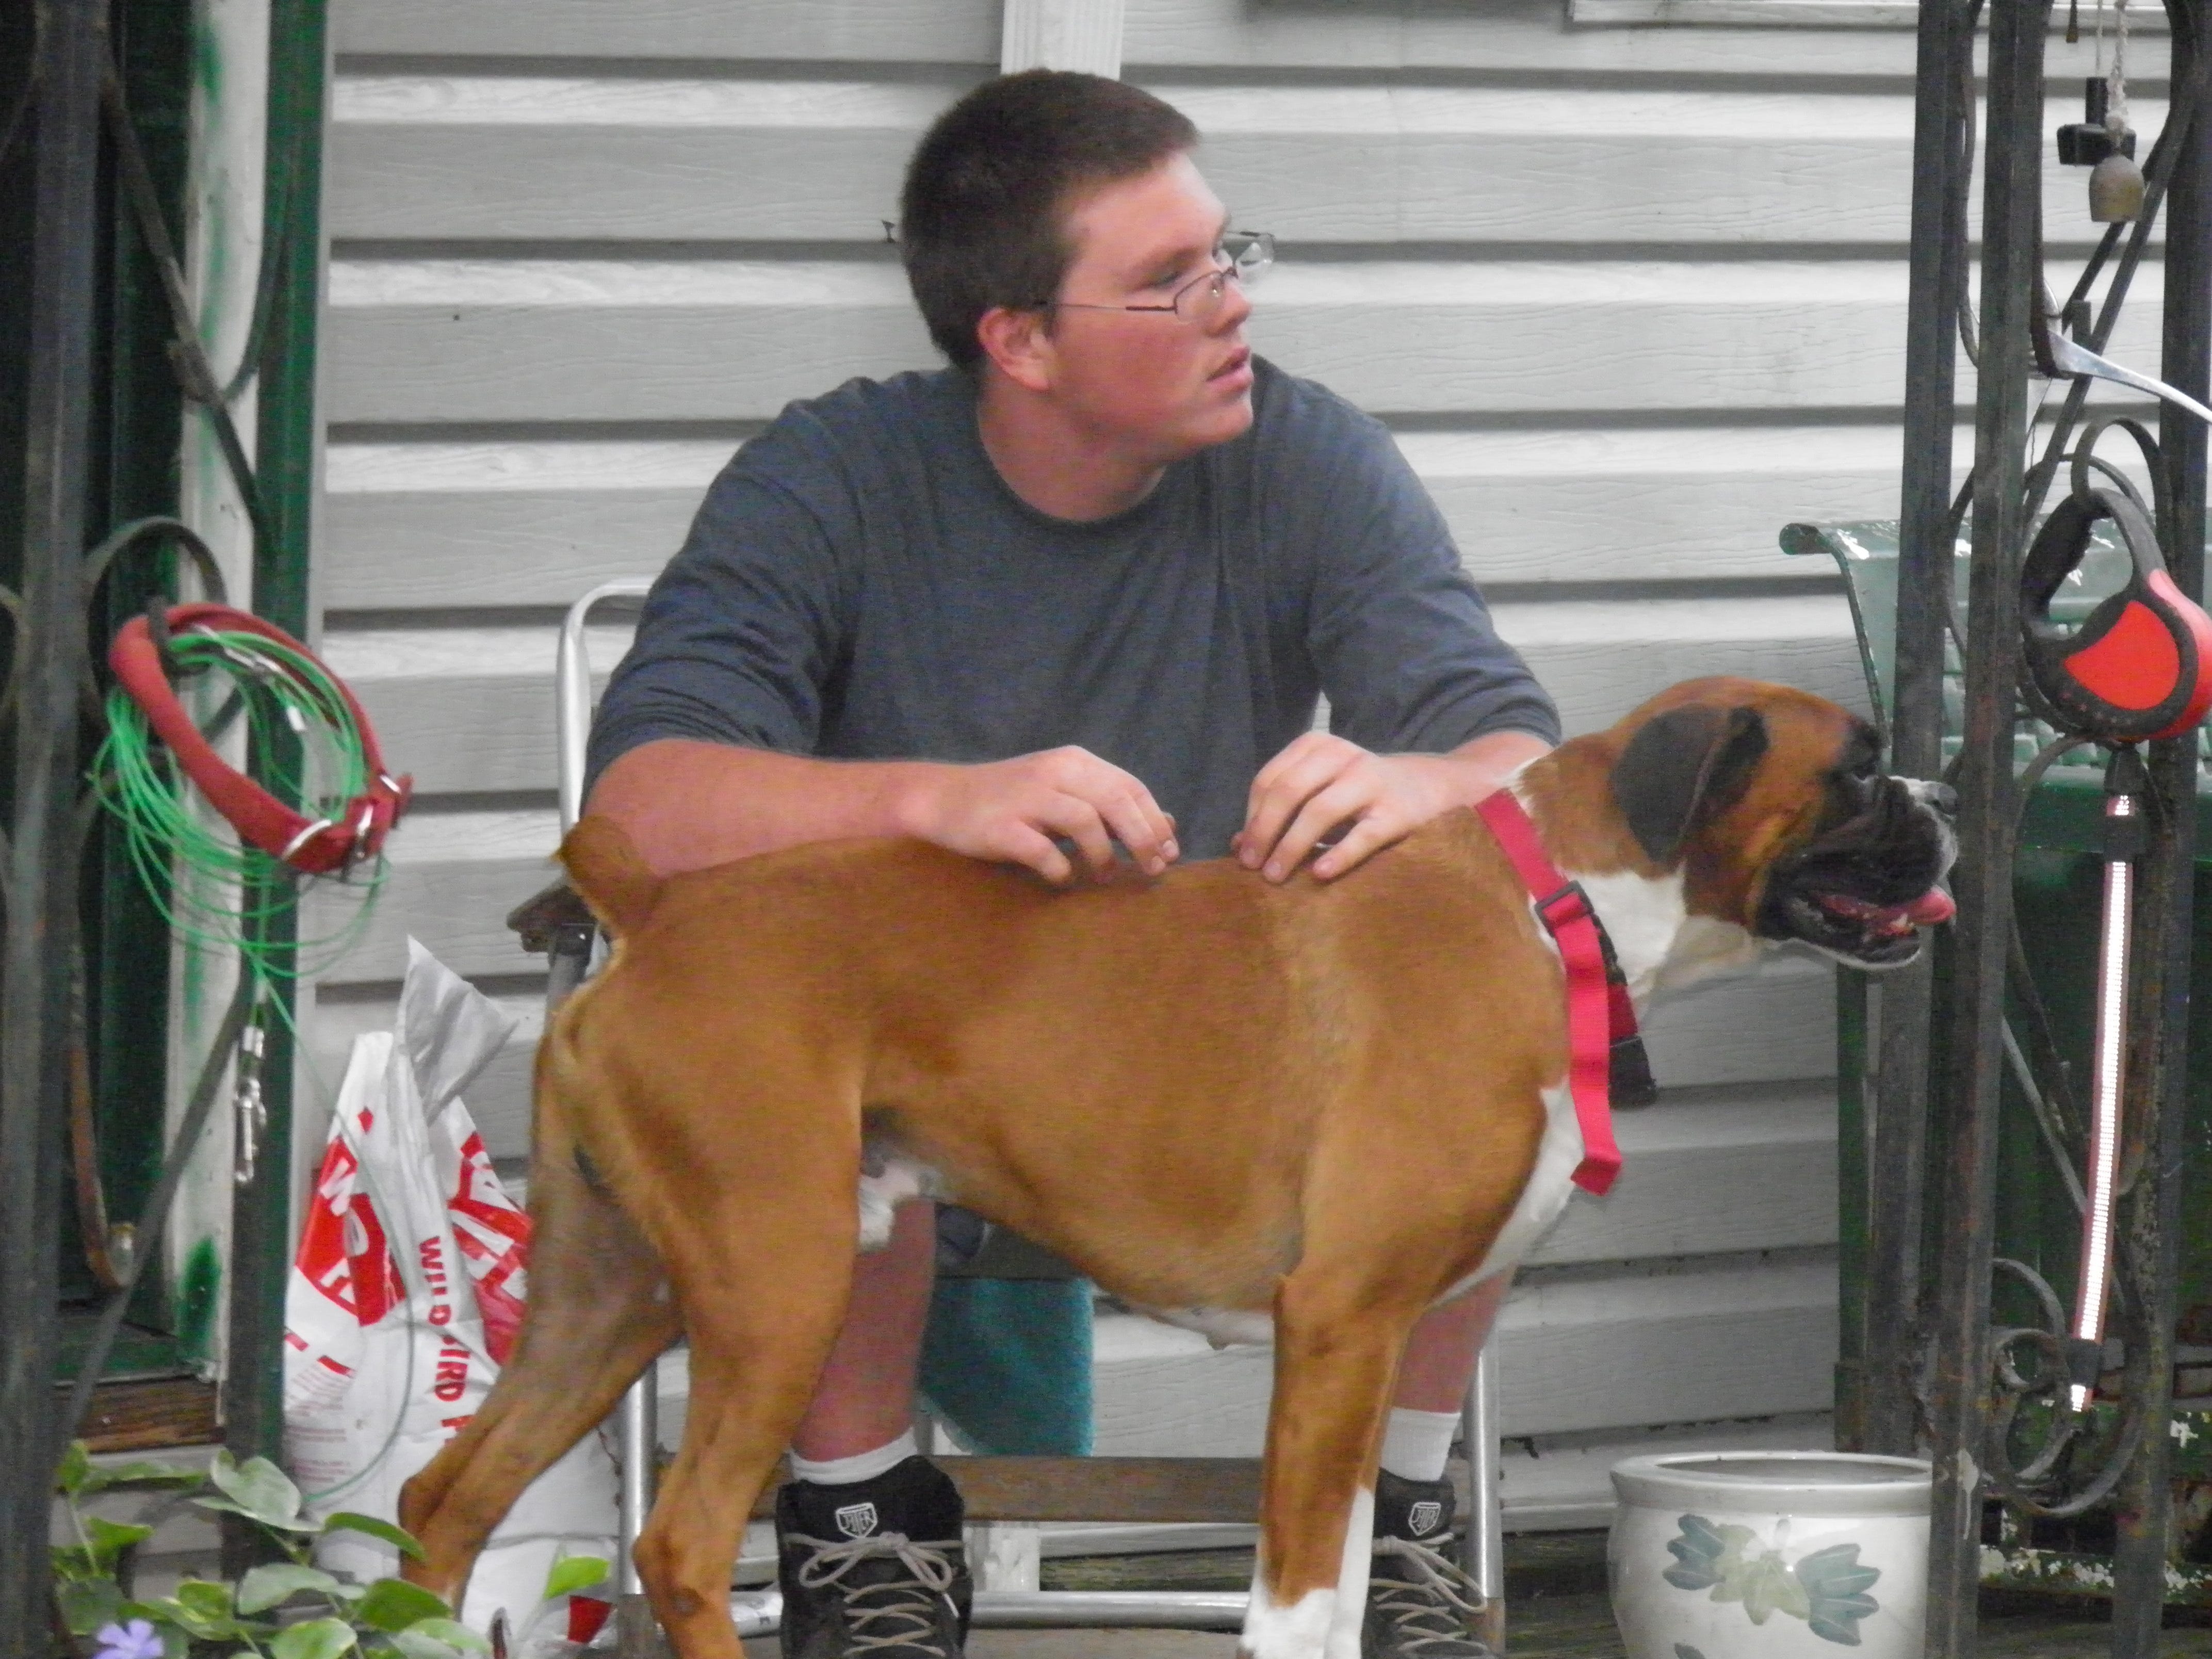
596,1311
763,1271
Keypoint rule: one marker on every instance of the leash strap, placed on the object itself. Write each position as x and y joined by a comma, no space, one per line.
1600,1020
316,846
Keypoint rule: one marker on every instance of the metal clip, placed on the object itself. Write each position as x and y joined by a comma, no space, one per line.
252,1110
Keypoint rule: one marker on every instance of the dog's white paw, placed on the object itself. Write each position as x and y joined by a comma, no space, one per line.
1323,1623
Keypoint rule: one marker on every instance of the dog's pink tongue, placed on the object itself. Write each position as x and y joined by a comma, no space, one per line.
1932,907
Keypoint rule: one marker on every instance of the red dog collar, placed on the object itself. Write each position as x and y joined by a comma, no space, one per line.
1601,1019
315,846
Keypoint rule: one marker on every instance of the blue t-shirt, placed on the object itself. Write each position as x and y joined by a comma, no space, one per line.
860,584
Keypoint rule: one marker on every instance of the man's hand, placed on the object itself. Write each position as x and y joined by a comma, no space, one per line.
1321,782
1010,810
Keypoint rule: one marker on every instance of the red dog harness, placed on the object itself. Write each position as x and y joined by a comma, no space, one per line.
1605,1054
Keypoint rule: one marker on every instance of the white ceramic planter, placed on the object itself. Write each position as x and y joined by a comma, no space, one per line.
1769,1555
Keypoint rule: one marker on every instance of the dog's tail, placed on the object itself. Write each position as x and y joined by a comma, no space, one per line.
615,881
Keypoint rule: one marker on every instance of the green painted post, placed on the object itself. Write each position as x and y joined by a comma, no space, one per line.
285,452
1854,1179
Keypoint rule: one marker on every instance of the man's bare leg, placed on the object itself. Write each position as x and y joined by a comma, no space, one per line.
866,1397
1439,1363
1411,1611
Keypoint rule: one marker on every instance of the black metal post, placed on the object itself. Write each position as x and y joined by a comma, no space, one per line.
1958,1406
41,856
1886,1415
2157,1107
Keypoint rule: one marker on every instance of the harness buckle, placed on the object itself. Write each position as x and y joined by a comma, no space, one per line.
1569,904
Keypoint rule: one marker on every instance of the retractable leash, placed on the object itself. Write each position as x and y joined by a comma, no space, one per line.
2139,668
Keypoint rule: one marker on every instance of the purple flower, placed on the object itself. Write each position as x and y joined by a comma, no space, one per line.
136,1640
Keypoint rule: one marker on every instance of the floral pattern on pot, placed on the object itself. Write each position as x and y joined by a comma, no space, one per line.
1826,1588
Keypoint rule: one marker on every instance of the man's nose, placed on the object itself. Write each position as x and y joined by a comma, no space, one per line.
1236,307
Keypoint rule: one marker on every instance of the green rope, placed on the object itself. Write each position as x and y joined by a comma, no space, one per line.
214,891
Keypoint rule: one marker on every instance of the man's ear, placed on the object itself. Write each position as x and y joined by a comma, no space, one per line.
1019,344
1681,769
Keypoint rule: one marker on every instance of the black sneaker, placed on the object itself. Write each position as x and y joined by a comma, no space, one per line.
1419,1602
873,1570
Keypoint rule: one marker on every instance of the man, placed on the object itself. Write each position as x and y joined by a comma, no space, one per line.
1082,589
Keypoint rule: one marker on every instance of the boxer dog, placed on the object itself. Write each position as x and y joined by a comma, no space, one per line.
1324,1107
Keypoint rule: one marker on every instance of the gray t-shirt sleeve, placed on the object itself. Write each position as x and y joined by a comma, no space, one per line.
739,635
1407,653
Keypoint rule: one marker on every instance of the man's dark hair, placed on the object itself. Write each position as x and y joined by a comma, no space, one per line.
980,218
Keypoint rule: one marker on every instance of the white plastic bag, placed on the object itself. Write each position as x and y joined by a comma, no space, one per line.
404,1297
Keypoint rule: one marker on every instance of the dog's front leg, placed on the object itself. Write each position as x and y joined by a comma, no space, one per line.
1338,1341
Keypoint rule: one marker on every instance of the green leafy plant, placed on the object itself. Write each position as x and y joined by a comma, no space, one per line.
1826,1588
287,1609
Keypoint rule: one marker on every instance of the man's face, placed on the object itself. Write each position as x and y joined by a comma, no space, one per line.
1162,386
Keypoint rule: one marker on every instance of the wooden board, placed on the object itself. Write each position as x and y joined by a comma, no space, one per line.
1124,1488
688,159
141,1416
432,341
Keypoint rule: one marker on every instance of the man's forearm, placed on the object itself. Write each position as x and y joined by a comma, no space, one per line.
686,804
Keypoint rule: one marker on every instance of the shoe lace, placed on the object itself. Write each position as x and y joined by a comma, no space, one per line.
1429,1602
884,1612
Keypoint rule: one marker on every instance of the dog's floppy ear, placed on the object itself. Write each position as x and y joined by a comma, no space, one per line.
1682,767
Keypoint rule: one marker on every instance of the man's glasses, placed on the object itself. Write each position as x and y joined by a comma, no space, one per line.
1249,254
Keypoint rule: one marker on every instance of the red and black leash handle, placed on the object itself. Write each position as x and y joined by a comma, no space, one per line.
2139,667
315,846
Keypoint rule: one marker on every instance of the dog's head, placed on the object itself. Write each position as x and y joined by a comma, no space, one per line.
1771,803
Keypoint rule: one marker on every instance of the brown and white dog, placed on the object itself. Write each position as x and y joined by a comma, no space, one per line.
1324,1107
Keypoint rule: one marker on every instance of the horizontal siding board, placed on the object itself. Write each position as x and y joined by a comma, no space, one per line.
435,525
452,878
611,340
1562,1484
1765,1024
1673,1348
464,710
1746,1169
497,1097
584,183
1531,34
1206,33
862,31
409,550
470,710
1600,660
1598,1354
690,159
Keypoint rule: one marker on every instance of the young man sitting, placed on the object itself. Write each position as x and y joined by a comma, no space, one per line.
1082,589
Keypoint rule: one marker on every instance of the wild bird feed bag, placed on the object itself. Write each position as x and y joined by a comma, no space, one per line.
404,1301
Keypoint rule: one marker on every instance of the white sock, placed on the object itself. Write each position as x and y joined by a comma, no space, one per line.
861,1465
1416,1443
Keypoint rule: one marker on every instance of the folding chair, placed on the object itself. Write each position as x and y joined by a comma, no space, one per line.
999,1492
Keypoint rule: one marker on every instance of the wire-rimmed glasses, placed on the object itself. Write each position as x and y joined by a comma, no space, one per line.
1198,301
